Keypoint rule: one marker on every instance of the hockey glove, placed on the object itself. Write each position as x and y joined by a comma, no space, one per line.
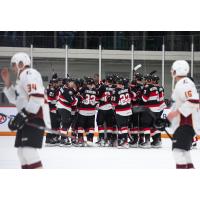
19,121
161,124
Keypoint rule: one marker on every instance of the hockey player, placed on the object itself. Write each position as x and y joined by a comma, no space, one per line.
52,97
136,87
66,100
74,84
184,114
156,134
28,96
105,112
121,101
87,109
150,98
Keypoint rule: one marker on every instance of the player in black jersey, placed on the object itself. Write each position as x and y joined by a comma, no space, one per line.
66,100
87,109
52,96
136,87
105,112
121,101
156,134
150,99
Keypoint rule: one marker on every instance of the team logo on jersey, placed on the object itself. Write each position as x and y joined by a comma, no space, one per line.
3,118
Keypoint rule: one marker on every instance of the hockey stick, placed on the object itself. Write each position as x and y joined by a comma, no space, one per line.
135,69
42,128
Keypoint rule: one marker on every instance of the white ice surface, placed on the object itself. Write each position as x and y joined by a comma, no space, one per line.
95,157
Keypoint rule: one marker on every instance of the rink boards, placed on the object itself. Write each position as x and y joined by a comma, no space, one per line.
10,111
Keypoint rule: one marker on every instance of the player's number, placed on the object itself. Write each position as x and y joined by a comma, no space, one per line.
107,95
90,99
124,99
31,87
188,94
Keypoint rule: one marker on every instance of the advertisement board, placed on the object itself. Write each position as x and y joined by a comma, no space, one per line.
5,114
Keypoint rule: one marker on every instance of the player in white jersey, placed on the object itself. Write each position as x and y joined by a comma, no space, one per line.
28,96
184,114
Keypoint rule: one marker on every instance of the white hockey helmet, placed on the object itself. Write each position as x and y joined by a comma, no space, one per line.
21,60
180,68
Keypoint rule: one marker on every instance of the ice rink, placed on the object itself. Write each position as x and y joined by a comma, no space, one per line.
95,157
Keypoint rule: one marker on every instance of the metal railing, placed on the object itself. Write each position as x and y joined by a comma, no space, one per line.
153,52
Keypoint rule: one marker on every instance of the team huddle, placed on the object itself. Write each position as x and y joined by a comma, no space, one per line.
75,105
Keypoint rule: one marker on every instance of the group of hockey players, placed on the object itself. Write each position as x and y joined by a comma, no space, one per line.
75,105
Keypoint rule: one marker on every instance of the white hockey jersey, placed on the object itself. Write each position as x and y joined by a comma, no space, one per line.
28,93
186,101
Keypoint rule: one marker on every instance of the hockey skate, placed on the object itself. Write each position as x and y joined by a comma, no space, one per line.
133,144
64,142
145,145
156,144
100,143
122,144
52,142
80,143
90,144
108,143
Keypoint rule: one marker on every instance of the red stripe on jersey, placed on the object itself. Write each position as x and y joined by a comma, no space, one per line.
110,128
186,120
104,104
52,98
87,108
152,105
153,93
37,95
122,109
194,101
114,104
145,97
123,128
64,104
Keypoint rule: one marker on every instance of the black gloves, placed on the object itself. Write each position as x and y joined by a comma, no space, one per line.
18,121
161,124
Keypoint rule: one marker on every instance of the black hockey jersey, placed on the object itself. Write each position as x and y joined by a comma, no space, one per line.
87,101
104,94
137,91
66,98
52,97
121,100
161,97
150,97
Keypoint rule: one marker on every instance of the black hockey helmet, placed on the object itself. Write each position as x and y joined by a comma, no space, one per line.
155,78
65,81
120,80
109,79
60,79
89,80
148,77
54,76
125,81
138,76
